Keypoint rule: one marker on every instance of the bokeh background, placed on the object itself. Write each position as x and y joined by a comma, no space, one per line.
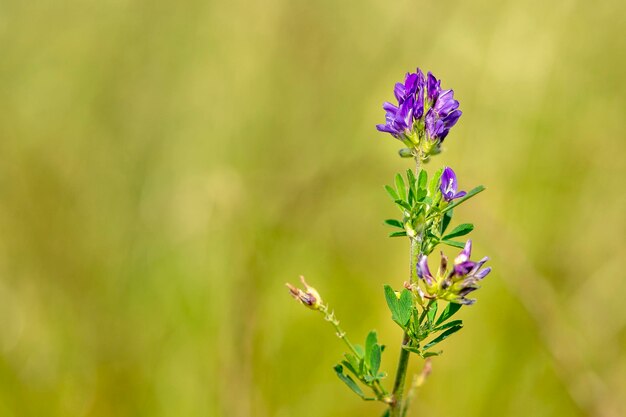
167,166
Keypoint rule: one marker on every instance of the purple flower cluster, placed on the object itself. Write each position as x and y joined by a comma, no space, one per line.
423,106
462,279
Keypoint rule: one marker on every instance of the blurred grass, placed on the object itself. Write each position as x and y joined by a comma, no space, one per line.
166,167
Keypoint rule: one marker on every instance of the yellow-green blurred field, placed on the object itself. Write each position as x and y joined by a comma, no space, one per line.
165,167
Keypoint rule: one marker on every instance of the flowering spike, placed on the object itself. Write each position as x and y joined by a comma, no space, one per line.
424,114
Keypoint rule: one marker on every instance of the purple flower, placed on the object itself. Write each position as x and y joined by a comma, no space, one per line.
423,109
443,113
399,120
456,284
423,272
466,274
434,87
449,185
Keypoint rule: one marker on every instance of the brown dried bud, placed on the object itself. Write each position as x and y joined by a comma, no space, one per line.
309,296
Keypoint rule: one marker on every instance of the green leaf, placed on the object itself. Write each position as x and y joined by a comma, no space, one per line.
387,413
352,363
397,234
351,368
429,354
400,187
460,230
394,223
392,301
454,243
405,307
448,325
432,312
392,193
469,195
374,361
433,186
370,341
410,176
443,336
349,381
448,312
401,309
359,351
422,183
403,204
426,201
445,221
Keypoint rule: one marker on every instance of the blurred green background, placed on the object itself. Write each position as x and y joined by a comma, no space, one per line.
167,166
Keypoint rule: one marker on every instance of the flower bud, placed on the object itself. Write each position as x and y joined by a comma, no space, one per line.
309,296
405,153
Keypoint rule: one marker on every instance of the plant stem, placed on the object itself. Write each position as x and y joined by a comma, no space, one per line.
403,362
398,385
330,317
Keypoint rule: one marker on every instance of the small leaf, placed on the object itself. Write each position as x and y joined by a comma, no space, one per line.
469,195
413,191
454,243
353,361
394,223
401,309
374,362
359,351
351,368
349,381
433,186
422,184
403,204
405,307
370,341
446,220
432,312
397,234
400,187
426,201
392,301
460,230
448,312
443,336
429,354
411,177
392,193
448,325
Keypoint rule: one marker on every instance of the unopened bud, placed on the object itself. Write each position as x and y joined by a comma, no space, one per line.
444,265
405,153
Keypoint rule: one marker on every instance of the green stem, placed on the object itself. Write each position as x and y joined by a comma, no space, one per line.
397,403
398,385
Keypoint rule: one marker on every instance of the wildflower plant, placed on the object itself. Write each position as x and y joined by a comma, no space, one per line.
424,306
